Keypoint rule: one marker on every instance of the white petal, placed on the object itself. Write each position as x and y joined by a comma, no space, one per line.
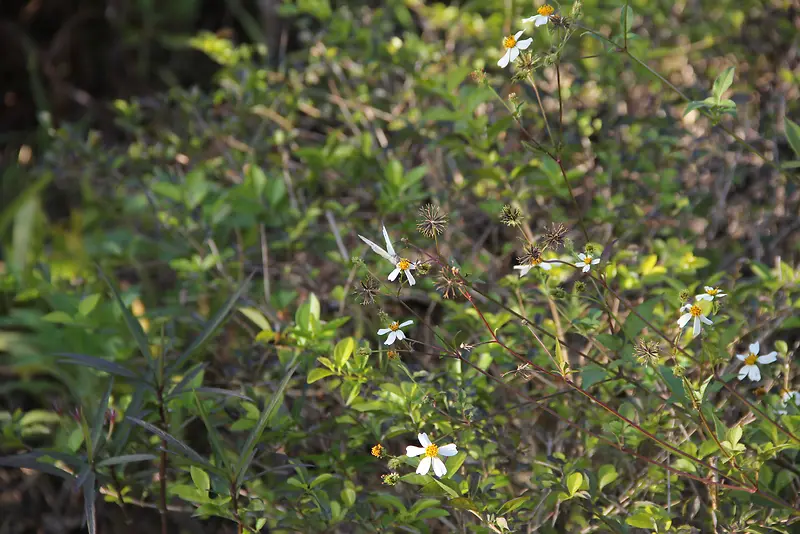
582,256
705,319
514,53
410,277
406,323
743,371
754,348
741,357
448,450
438,468
424,466
529,19
720,295
755,373
423,439
524,44
586,268
704,297
797,398
400,335
390,338
518,34
503,62
708,288
540,19
684,319
580,264
384,331
696,327
378,250
393,275
546,266
768,358
389,247
412,451
523,269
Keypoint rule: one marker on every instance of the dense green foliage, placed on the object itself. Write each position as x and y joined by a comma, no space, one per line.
205,317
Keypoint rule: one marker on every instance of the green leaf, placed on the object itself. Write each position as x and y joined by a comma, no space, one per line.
641,520
126,459
87,304
266,415
318,374
187,451
592,374
606,475
693,105
98,364
447,489
58,317
89,511
324,477
343,351
211,432
626,19
792,134
574,482
513,504
722,83
98,422
454,463
211,325
348,497
633,325
257,317
200,478
130,321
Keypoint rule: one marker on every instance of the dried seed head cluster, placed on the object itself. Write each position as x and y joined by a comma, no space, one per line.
367,289
647,352
449,282
511,216
390,479
423,268
432,222
553,237
479,76
685,296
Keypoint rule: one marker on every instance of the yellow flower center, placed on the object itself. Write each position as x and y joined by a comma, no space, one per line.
545,10
509,42
394,327
392,354
536,261
695,311
431,451
751,359
377,450
403,264
588,260
712,291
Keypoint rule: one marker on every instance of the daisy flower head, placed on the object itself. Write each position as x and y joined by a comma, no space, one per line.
394,332
710,293
543,15
432,453
513,46
401,265
751,359
694,313
531,259
586,261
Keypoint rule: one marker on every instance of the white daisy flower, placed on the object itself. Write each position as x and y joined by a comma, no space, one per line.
586,262
432,453
394,332
535,260
710,294
400,264
513,45
542,17
693,311
750,369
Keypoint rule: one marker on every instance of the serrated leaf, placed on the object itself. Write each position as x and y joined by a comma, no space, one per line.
200,478
792,134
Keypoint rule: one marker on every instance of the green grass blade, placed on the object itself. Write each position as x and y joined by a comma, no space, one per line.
213,434
131,321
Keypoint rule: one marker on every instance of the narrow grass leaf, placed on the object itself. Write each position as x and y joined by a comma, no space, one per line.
213,434
98,364
126,459
89,510
187,451
131,321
